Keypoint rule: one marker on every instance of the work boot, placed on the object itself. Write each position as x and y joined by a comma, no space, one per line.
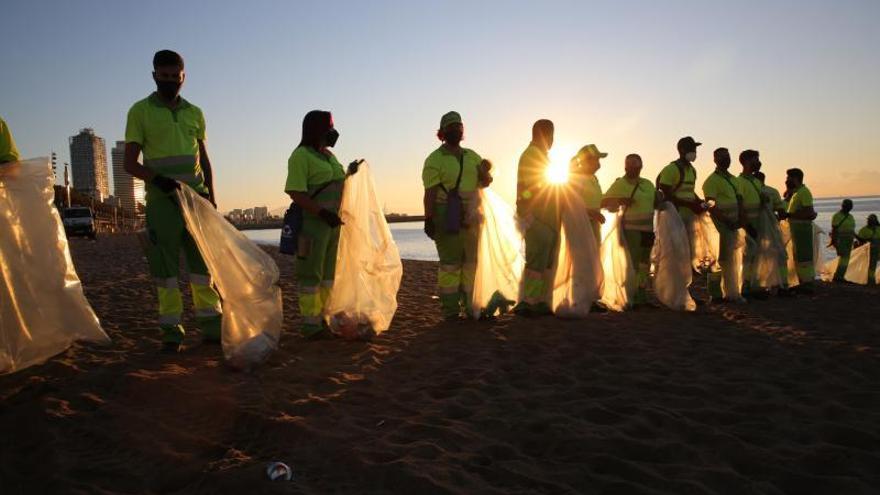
523,309
172,338
211,329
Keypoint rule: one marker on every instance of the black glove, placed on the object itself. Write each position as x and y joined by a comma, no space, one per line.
330,218
353,166
753,232
165,184
429,228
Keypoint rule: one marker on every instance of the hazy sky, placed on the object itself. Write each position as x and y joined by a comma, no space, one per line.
797,80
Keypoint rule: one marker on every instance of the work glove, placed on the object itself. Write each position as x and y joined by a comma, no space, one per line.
429,228
330,218
353,166
165,184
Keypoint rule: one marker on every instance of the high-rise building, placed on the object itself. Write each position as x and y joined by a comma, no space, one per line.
260,213
127,188
88,159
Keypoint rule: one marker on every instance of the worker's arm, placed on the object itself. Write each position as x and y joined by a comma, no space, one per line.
304,201
429,199
805,213
207,171
133,167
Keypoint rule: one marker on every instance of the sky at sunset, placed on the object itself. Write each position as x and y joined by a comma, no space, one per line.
797,80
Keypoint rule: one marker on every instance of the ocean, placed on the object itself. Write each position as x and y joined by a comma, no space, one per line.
415,245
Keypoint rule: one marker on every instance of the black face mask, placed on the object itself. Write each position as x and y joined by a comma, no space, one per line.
723,163
168,89
331,138
453,136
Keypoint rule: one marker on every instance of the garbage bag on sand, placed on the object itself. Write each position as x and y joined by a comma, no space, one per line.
672,259
707,254
368,266
246,278
818,260
856,271
42,306
577,282
500,260
620,280
771,255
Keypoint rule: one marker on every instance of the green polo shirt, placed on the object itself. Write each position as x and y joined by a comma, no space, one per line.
169,139
802,198
751,194
592,192
640,214
671,175
726,191
844,224
308,170
774,198
441,169
8,150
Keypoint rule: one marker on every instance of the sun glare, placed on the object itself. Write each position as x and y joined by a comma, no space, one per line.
557,171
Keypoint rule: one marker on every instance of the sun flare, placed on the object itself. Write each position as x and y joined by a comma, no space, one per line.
557,171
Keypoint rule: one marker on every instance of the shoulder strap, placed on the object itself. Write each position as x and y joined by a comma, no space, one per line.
460,169
841,221
681,175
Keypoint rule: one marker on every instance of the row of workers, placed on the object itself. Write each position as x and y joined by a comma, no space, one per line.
169,132
734,203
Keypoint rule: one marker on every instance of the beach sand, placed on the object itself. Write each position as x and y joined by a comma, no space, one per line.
781,396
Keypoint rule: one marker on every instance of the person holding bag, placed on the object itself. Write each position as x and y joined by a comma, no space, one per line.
314,182
451,176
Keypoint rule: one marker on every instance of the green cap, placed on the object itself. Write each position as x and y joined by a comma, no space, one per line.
449,118
592,150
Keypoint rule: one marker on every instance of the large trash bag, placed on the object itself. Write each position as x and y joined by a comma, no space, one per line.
620,281
577,282
771,253
42,306
673,260
707,244
368,266
856,271
818,258
500,259
246,278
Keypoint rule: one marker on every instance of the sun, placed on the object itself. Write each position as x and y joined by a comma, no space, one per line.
557,171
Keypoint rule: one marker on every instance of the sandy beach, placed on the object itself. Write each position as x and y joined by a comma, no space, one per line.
781,396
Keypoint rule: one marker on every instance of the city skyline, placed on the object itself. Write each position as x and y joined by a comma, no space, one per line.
795,80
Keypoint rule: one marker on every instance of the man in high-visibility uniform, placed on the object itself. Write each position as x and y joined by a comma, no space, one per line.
871,234
752,201
778,206
537,207
843,233
449,169
170,132
638,197
722,188
677,181
8,150
585,164
801,215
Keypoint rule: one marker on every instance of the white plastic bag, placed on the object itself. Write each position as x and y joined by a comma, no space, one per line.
818,259
620,281
578,276
500,259
856,271
246,278
368,266
673,259
42,306
771,254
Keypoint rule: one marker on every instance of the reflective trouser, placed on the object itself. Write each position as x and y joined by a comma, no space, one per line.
168,235
315,269
726,277
639,245
750,262
802,239
844,246
458,263
541,240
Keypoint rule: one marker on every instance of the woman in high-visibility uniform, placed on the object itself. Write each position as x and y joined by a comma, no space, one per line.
448,170
314,182
870,234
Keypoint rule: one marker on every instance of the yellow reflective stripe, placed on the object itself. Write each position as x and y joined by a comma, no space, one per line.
205,298
170,301
310,304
